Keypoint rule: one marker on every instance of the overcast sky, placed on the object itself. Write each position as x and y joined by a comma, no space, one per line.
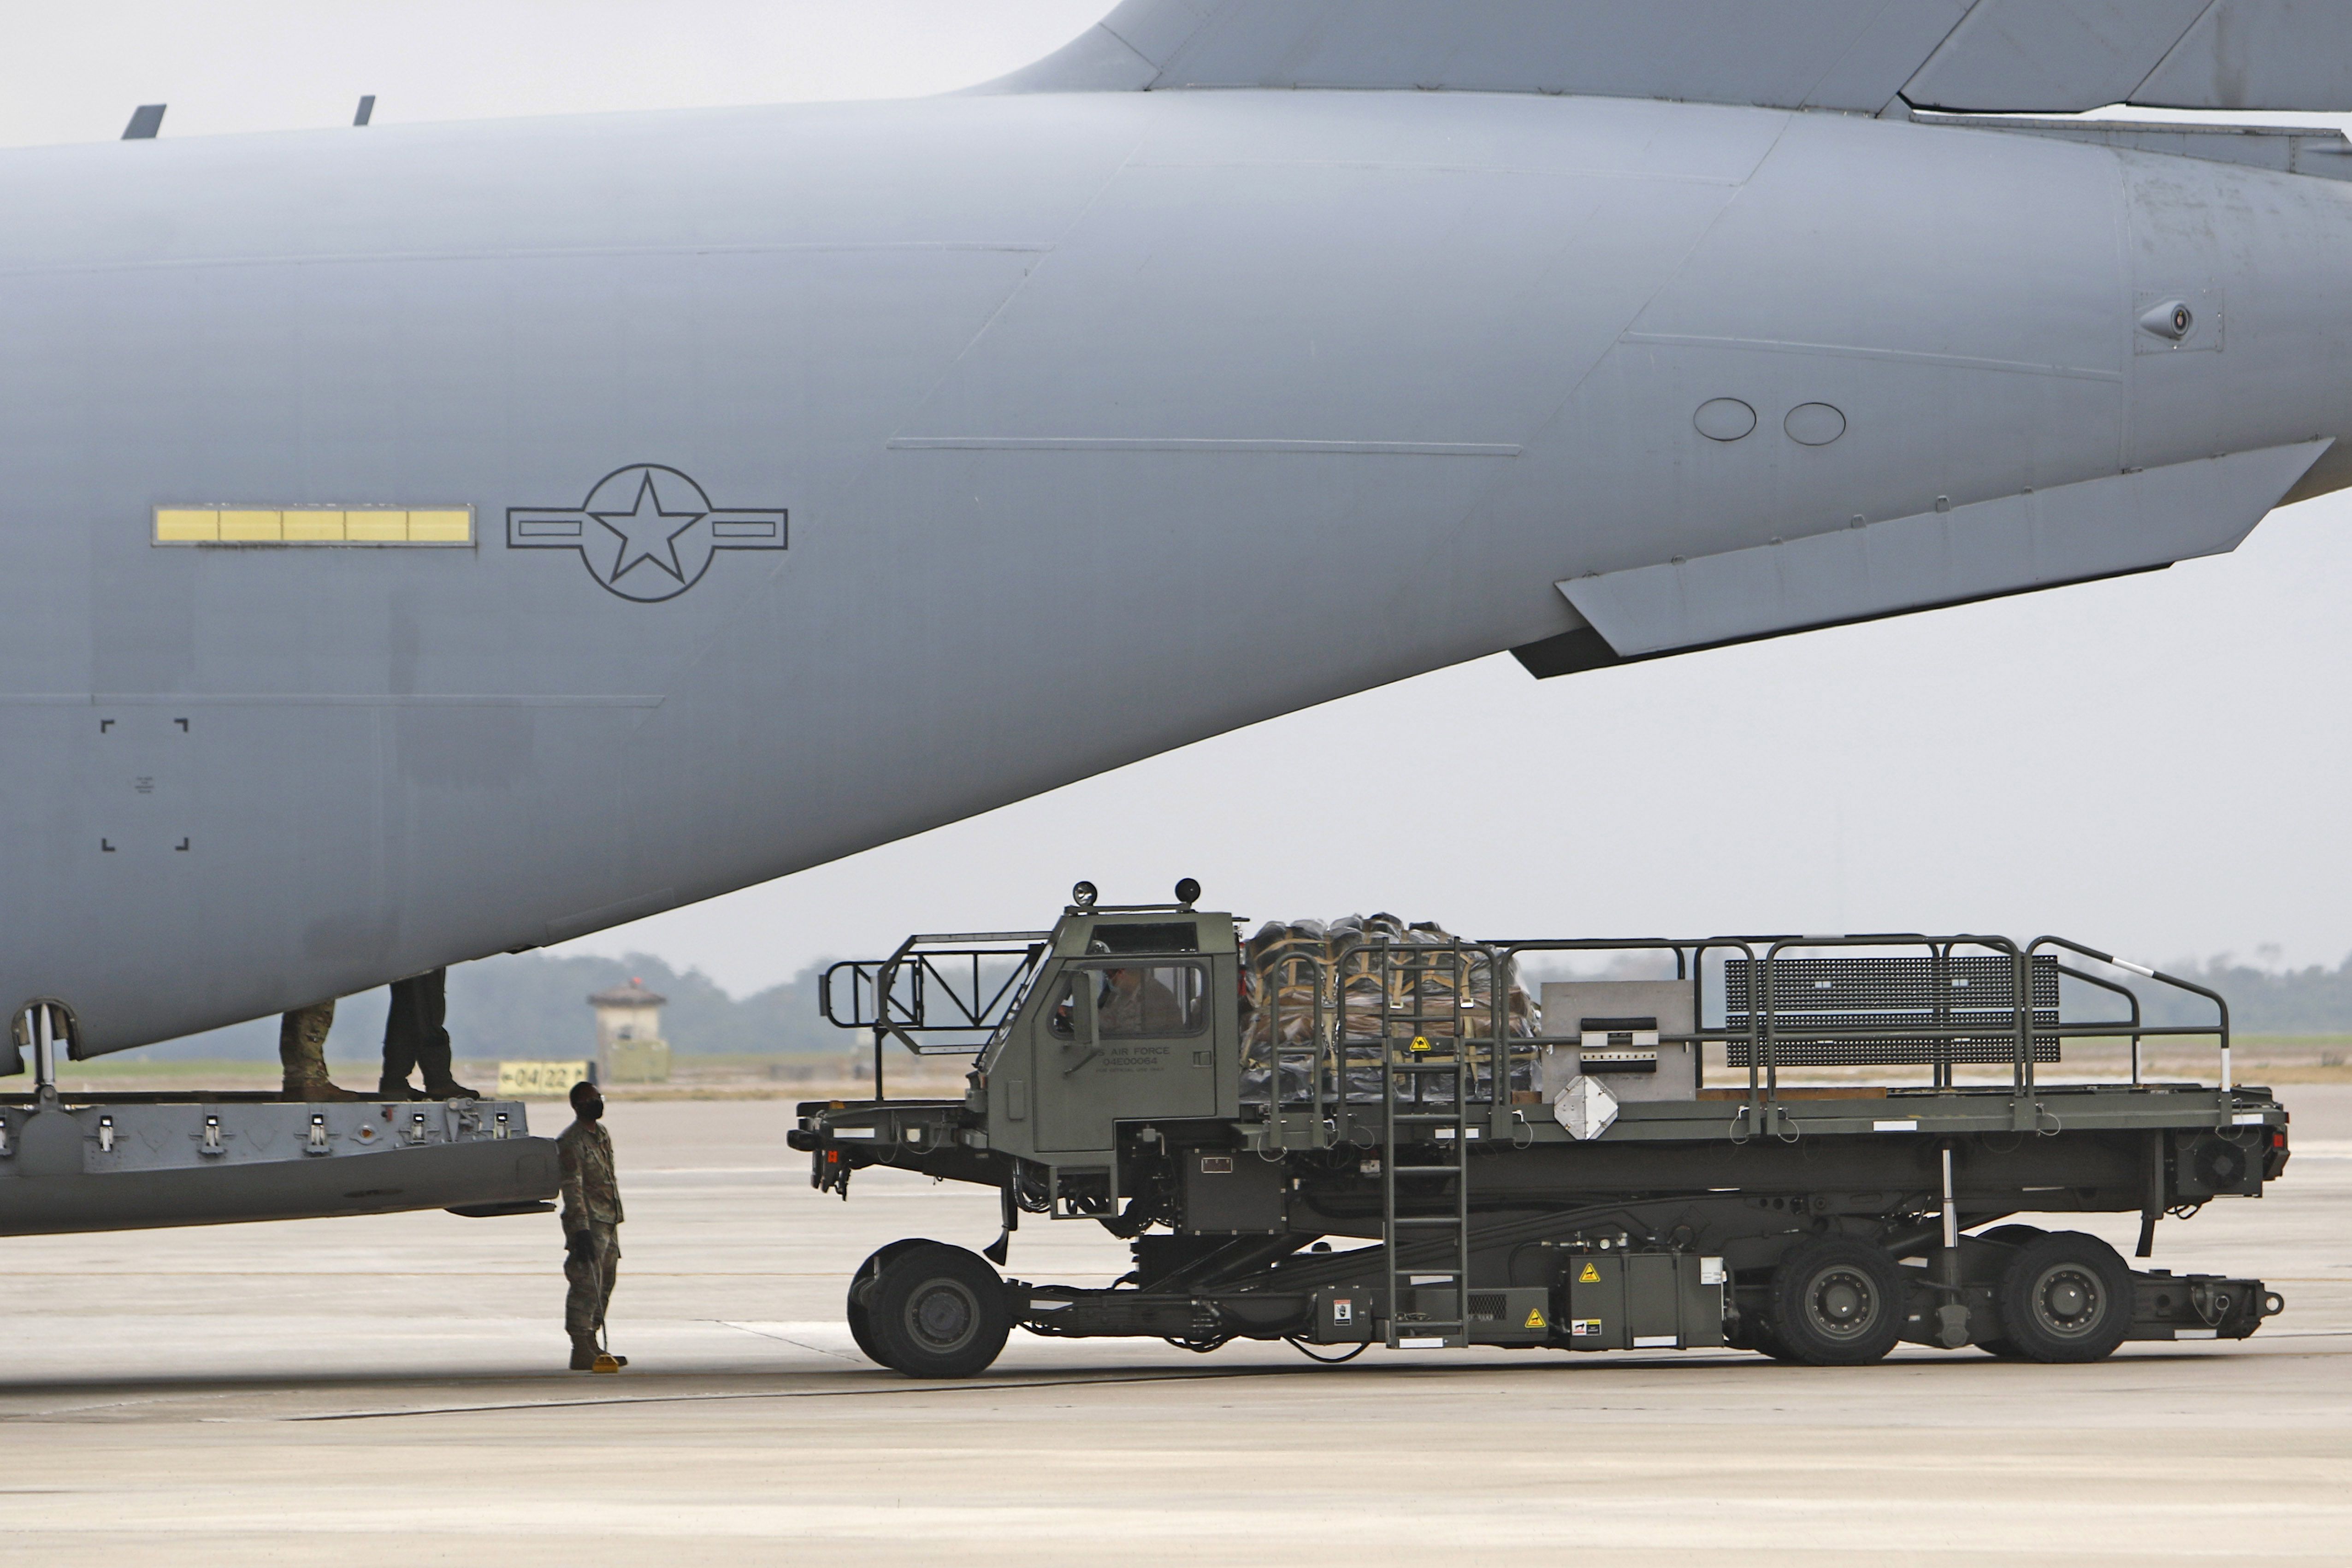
2157,765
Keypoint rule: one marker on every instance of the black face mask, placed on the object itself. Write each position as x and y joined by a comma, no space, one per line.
591,1108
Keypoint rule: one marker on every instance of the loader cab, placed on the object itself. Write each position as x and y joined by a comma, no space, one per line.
1134,1017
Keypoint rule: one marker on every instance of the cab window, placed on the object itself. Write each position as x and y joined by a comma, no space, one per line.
1154,936
1138,1001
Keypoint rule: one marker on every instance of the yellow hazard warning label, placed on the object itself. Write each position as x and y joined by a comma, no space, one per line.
1419,1044
1590,1276
1534,1318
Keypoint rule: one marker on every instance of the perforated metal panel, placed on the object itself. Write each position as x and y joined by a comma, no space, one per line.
1852,1012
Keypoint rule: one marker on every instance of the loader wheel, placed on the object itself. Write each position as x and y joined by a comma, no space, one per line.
939,1311
1765,1340
1837,1301
859,1307
861,1329
2066,1298
1755,1333
2006,1235
2013,1235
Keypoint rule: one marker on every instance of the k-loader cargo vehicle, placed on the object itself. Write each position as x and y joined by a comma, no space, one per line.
1561,1177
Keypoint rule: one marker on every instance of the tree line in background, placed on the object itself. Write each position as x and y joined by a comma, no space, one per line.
2313,1001
534,1006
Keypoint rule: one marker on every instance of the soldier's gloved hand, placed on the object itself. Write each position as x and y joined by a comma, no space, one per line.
579,1247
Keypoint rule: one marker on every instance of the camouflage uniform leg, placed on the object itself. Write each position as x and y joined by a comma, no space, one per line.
591,1283
302,1046
609,1255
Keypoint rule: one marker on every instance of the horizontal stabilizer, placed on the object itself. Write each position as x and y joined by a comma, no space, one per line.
2072,533
1864,55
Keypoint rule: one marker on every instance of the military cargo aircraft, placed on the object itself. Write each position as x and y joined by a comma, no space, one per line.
429,542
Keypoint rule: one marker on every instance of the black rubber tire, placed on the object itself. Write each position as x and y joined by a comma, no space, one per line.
861,1329
861,1291
2066,1298
2006,1235
1763,1339
1755,1334
1838,1301
939,1311
2013,1235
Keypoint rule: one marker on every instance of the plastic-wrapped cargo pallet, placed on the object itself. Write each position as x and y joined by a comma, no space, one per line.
1333,985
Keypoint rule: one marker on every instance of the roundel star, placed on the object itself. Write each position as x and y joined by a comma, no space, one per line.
647,533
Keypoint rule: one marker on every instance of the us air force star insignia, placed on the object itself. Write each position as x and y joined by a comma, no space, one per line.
647,533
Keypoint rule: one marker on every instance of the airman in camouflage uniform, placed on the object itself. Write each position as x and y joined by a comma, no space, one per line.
302,1054
591,1219
1140,1005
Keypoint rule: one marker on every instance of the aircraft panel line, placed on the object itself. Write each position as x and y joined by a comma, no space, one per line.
1563,172
1199,443
529,253
314,699
1856,350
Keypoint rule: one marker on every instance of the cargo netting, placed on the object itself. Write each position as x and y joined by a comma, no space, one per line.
1318,999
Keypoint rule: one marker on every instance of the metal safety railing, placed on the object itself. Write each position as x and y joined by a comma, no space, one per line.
2025,1019
2133,1026
949,993
1781,1001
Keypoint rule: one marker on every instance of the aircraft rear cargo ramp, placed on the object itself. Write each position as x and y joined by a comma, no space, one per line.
133,1162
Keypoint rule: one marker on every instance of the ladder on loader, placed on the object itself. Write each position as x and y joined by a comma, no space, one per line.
1423,1046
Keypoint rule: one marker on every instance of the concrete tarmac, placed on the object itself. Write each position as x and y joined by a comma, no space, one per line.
393,1389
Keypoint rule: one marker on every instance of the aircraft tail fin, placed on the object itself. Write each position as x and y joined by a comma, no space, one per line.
1862,56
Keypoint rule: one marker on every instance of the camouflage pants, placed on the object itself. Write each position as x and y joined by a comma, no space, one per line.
302,1044
592,1281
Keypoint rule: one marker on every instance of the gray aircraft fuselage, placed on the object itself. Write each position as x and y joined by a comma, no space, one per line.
1052,431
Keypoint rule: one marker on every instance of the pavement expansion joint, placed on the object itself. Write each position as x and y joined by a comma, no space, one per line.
787,1338
898,1386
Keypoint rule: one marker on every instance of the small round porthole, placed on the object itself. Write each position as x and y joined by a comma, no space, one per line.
1813,424
1723,419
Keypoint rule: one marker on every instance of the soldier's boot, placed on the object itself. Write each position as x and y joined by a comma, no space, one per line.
440,1083
302,1055
390,1087
583,1352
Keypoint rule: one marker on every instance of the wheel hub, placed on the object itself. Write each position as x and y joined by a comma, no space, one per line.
942,1315
2068,1299
1843,1302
